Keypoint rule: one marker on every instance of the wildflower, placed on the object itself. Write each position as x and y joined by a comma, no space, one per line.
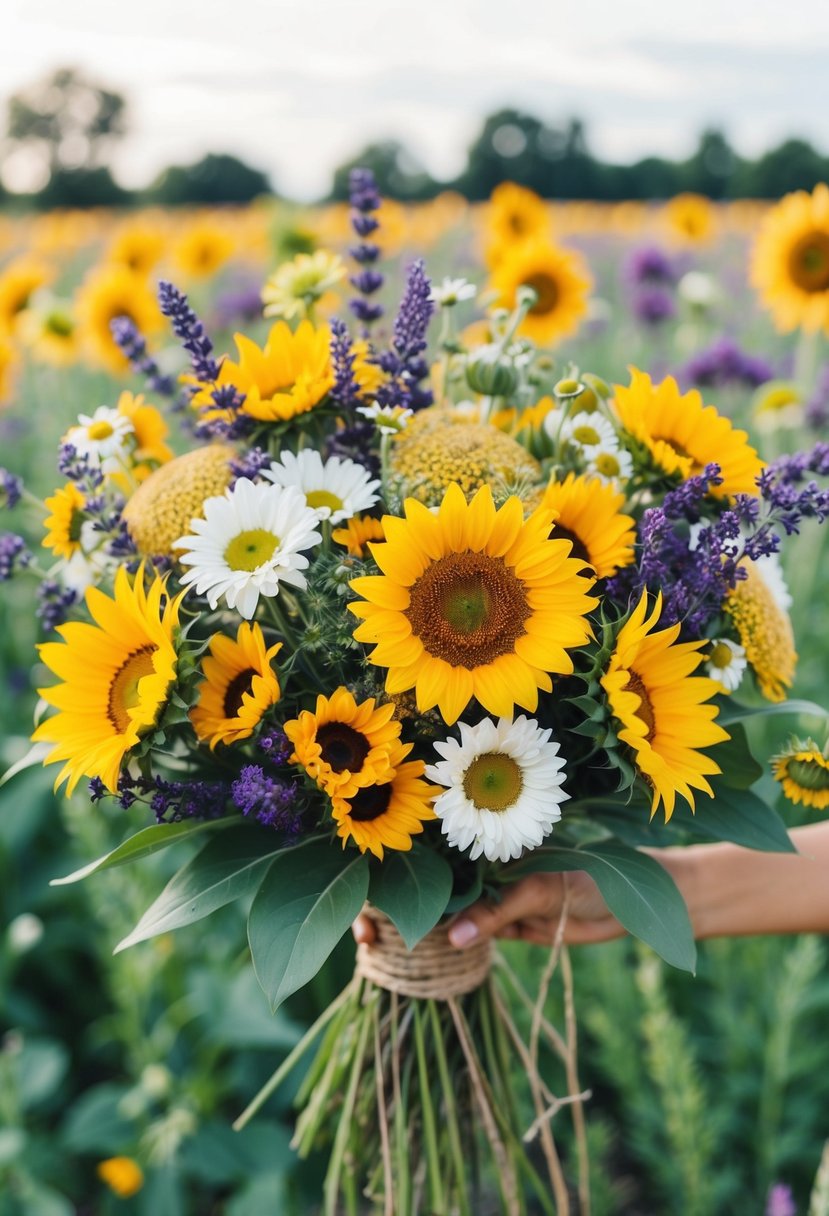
239,686
270,801
122,1175
803,771
296,287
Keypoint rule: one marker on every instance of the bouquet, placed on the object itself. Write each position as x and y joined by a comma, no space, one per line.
391,636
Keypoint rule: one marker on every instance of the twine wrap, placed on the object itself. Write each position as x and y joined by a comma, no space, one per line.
434,970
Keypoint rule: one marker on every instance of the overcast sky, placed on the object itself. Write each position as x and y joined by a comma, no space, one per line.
295,86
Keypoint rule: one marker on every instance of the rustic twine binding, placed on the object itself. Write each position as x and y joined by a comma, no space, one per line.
434,970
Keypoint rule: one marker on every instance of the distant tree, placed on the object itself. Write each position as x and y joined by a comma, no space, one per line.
216,178
83,188
711,168
793,165
398,174
67,118
515,146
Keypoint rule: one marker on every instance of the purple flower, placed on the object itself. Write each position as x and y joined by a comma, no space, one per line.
724,363
270,801
817,407
653,305
190,331
276,745
365,200
97,789
780,1201
649,265
13,555
242,303
250,464
133,345
11,487
404,364
78,469
53,602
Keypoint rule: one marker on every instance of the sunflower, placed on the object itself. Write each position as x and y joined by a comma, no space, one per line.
472,602
560,281
288,376
690,218
63,526
764,627
9,360
344,746
239,686
50,329
174,494
138,245
662,708
387,815
18,283
790,264
297,287
150,431
107,293
683,435
588,514
368,375
203,247
357,532
803,771
117,676
514,214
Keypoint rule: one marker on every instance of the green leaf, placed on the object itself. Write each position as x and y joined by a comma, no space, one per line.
413,889
308,899
638,891
733,755
229,867
143,843
732,711
35,756
739,816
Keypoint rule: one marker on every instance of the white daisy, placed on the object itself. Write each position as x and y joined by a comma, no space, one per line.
452,291
251,538
611,465
105,438
589,433
89,565
503,787
726,663
386,417
336,489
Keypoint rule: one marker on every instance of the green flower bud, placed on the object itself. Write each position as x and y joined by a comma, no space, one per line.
491,372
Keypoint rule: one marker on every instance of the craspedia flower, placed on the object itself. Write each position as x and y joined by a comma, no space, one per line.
122,1175
344,746
162,507
239,686
472,602
357,533
287,376
764,628
336,488
297,287
438,449
690,218
790,264
248,541
803,771
560,281
683,436
63,526
105,294
588,513
502,787
387,815
117,677
726,663
663,711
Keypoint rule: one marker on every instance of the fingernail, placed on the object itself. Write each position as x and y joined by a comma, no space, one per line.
462,933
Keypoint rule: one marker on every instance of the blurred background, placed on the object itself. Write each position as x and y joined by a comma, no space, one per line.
209,144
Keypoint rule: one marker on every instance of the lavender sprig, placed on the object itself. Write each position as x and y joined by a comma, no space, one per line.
270,801
365,200
14,555
133,345
190,331
11,489
404,364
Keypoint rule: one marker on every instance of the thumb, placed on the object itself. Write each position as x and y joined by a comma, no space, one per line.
536,895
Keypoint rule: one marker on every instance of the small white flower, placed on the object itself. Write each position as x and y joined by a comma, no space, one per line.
105,438
611,465
89,565
698,289
589,432
452,291
503,787
726,663
250,539
771,572
392,418
336,489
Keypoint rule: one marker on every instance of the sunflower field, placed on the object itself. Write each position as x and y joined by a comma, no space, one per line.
124,1069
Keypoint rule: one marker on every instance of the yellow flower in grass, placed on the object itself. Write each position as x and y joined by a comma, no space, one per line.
163,506
122,1175
765,630
297,287
514,214
49,328
287,376
790,264
107,293
560,280
63,526
117,676
9,359
662,709
803,771
203,248
344,746
472,602
683,435
138,245
239,687
357,532
588,514
18,283
690,218
387,815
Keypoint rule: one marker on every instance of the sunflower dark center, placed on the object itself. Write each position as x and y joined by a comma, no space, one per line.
342,748
75,525
123,689
808,774
547,290
370,803
516,223
580,550
809,262
644,711
468,609
235,692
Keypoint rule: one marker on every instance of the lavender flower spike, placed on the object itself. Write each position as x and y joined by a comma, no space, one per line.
190,331
133,345
404,363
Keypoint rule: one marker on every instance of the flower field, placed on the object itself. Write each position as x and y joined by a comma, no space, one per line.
193,433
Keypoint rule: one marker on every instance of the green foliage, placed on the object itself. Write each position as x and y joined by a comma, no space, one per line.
413,890
216,178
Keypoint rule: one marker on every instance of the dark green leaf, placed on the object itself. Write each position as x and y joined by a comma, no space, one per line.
229,867
740,816
413,890
732,711
739,768
638,891
145,842
308,899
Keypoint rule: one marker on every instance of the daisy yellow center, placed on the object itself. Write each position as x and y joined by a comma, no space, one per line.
586,434
343,748
251,549
644,710
721,656
235,692
493,782
808,774
100,430
324,498
370,803
809,262
123,691
468,609
547,290
607,464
